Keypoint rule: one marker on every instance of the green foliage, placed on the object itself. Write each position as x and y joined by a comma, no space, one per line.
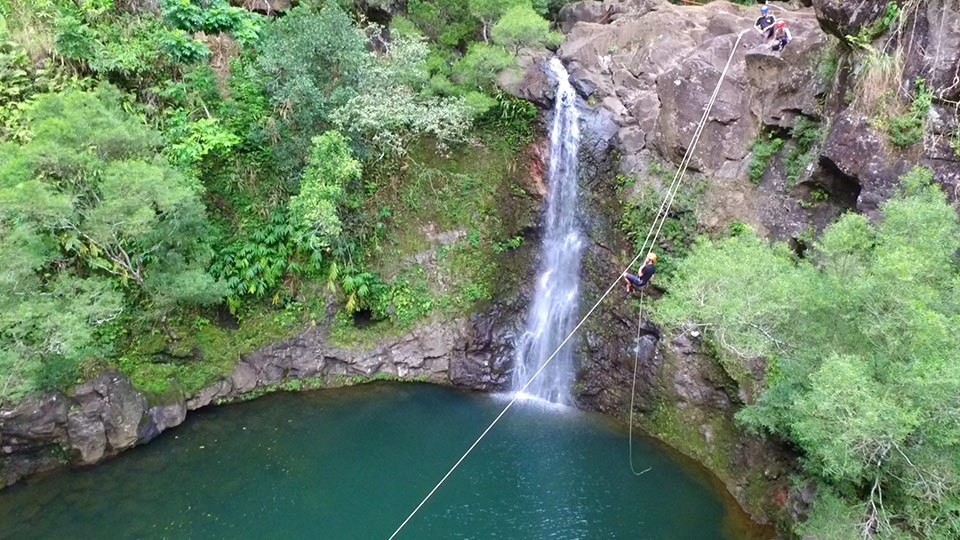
255,264
446,22
488,11
90,179
405,299
512,119
396,106
212,17
323,189
521,26
20,80
508,244
804,136
862,373
680,228
867,34
828,61
189,142
763,148
907,129
480,66
312,62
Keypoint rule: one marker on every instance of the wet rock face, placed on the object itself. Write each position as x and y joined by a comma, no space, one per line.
98,419
847,17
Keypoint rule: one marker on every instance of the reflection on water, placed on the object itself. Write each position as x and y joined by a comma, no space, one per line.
353,463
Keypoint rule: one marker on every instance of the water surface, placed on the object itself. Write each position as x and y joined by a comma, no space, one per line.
353,463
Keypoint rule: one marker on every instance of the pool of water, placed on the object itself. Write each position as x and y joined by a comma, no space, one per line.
353,463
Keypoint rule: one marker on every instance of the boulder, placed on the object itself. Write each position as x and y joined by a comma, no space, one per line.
933,35
88,437
35,418
601,12
684,93
105,417
858,152
529,80
783,85
847,17
162,417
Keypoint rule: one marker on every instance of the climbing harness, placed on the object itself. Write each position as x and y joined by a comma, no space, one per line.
662,213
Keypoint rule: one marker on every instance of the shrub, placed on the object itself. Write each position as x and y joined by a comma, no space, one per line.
763,148
907,129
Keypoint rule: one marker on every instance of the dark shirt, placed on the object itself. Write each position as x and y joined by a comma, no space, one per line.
765,23
647,272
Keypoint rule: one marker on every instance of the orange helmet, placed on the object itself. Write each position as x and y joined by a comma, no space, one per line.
652,257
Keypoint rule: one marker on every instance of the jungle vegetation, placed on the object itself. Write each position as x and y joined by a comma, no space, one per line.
178,186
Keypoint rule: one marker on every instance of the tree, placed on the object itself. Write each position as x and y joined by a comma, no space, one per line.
323,187
521,26
313,62
91,179
489,11
481,65
396,106
863,360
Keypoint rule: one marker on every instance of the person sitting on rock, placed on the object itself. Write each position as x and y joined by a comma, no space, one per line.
646,273
781,35
764,25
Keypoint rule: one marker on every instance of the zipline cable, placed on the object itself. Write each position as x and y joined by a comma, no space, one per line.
665,205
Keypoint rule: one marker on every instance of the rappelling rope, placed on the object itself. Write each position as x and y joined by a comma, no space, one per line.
664,210
662,218
633,389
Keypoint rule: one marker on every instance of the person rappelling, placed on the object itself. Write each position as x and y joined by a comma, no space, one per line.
645,275
765,24
781,35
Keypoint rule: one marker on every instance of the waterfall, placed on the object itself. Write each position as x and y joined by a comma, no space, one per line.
555,307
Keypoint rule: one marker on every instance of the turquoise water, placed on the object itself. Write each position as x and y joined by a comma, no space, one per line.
353,463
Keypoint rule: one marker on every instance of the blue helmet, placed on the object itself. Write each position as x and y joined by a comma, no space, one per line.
764,9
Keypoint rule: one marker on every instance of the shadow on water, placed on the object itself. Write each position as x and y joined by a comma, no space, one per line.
352,463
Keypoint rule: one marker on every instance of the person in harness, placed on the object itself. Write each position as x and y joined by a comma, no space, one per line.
781,35
764,25
646,273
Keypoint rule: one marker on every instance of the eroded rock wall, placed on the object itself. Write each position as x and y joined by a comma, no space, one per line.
102,417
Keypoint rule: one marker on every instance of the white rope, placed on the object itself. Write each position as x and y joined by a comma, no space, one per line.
633,389
667,201
671,194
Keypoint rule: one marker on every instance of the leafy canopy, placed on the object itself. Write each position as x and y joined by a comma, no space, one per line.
89,210
863,360
521,26
91,179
